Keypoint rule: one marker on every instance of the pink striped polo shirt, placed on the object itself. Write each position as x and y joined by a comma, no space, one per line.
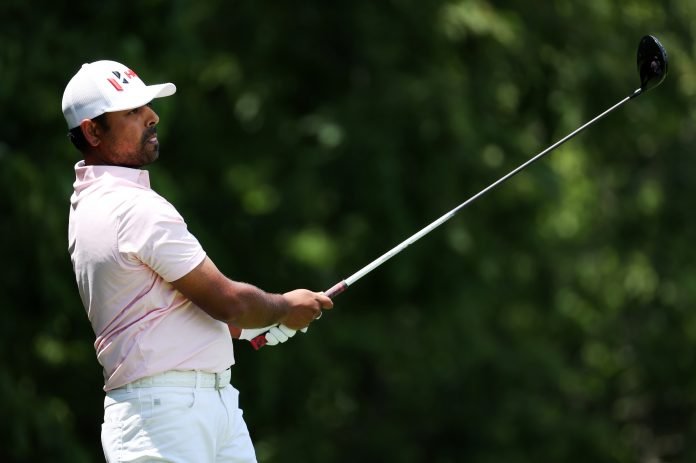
126,244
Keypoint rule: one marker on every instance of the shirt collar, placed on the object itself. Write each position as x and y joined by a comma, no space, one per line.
87,174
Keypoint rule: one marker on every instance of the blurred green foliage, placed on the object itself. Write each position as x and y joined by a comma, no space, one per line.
551,321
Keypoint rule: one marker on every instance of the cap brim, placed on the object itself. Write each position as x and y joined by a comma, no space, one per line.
144,96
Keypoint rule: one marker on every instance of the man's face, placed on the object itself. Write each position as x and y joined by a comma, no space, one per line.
131,137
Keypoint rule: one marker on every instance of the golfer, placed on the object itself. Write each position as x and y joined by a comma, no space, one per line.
161,311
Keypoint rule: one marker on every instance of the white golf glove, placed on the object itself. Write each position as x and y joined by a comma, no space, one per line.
275,334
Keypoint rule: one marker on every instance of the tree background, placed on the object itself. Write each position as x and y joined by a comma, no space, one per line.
550,321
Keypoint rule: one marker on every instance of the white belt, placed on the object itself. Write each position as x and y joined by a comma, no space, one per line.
177,378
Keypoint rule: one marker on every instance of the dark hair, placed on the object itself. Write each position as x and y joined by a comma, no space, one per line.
78,138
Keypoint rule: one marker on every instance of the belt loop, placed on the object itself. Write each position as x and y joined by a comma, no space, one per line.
195,389
129,387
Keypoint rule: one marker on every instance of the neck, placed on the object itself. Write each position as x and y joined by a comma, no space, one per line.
96,158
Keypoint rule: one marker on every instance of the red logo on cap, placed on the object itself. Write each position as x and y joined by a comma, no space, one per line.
116,84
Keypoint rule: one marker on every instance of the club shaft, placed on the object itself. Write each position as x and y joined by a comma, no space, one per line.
344,284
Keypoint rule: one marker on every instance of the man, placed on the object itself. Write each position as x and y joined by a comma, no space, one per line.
161,311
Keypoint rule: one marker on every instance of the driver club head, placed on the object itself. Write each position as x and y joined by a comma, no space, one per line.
652,62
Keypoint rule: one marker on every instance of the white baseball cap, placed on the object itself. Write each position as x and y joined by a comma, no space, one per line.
106,86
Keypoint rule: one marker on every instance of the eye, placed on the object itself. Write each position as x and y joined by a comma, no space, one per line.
137,110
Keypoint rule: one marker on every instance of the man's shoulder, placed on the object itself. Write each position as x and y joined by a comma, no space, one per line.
147,204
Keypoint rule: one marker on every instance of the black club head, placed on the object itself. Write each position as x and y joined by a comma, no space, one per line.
652,62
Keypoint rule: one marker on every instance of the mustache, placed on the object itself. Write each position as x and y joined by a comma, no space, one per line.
148,134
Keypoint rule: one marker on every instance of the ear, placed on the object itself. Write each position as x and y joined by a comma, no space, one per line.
91,131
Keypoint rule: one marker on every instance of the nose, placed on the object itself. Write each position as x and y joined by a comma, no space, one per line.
152,117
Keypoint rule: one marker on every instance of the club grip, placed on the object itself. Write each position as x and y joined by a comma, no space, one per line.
336,289
259,341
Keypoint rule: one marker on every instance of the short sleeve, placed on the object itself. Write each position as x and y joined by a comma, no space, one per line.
152,230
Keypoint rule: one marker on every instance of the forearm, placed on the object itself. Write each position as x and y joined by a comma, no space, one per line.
251,307
246,306
240,304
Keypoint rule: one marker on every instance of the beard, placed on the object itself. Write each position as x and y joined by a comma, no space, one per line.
149,151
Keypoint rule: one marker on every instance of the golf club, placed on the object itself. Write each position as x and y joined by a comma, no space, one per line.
652,67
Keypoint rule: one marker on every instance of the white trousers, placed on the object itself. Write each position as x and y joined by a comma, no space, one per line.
175,424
